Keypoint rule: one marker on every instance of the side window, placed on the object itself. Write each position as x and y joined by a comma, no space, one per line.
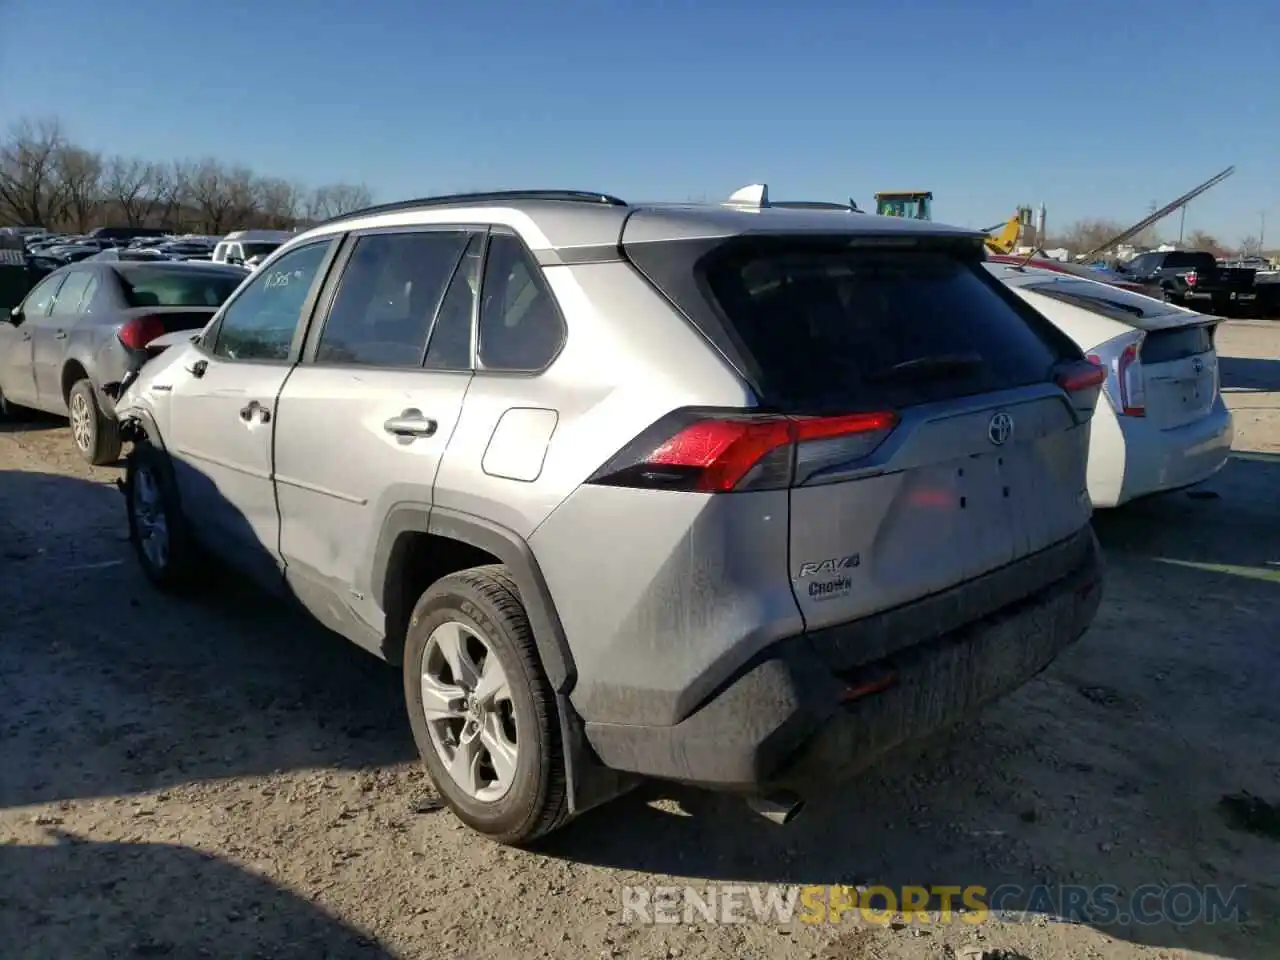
450,346
40,299
86,298
390,290
260,323
71,293
520,325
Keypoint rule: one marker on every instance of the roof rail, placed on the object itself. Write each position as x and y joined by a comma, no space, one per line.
493,196
756,197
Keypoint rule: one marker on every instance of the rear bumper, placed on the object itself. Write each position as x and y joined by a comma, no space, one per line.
1222,302
1135,458
789,723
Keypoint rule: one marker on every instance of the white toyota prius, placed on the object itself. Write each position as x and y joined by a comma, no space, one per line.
1160,424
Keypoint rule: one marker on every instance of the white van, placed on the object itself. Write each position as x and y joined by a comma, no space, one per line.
240,245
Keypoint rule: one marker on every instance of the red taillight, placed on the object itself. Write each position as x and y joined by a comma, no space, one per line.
720,453
139,331
1190,278
1124,382
1082,376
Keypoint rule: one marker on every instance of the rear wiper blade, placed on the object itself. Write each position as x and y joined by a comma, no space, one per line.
1126,307
927,368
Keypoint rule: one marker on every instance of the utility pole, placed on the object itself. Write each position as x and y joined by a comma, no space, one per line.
1262,231
1182,222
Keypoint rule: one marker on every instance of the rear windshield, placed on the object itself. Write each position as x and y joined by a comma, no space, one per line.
158,287
258,249
1125,306
840,328
1181,259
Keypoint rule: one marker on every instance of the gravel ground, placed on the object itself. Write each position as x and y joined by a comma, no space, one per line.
219,778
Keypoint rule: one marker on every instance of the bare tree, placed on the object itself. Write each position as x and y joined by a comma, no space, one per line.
1199,240
1086,235
172,192
29,190
80,179
45,180
212,194
335,199
1250,247
277,203
128,184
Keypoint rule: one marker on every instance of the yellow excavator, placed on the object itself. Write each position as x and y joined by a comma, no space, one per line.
1003,237
918,205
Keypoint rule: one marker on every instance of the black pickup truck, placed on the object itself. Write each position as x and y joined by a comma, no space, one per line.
1193,279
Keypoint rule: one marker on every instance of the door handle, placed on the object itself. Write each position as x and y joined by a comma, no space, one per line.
411,423
26,336
254,407
60,335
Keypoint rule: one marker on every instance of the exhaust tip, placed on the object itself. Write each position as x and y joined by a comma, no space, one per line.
780,810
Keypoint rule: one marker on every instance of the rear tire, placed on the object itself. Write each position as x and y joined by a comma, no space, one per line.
496,758
158,528
96,435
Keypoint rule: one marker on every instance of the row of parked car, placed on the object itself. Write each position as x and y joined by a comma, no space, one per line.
48,252
735,495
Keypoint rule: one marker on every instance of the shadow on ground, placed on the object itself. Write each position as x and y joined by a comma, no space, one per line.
76,898
1249,373
143,691
32,421
1129,763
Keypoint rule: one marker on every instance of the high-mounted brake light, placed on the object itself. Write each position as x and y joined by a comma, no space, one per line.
719,453
139,331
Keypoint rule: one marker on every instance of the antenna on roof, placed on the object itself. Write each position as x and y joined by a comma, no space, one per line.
755,195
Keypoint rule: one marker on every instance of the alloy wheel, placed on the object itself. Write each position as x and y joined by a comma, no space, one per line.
466,699
81,421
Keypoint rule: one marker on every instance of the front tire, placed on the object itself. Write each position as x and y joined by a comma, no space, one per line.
157,527
96,435
482,711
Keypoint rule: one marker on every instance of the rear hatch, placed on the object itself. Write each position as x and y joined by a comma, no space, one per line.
1180,369
157,326
1175,379
168,297
972,448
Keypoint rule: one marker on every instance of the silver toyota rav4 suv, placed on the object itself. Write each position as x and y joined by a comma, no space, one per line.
736,495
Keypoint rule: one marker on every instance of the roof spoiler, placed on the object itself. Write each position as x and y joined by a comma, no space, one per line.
755,196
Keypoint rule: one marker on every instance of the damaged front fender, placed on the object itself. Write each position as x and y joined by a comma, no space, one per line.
143,405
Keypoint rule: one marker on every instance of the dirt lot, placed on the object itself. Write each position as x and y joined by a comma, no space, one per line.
221,779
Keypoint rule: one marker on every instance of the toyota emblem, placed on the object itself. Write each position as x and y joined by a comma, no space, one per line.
1000,429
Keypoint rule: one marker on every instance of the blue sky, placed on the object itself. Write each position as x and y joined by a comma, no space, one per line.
1096,110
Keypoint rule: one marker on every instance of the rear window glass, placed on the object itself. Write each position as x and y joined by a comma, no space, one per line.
258,249
146,287
1167,346
1180,260
1125,306
863,327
